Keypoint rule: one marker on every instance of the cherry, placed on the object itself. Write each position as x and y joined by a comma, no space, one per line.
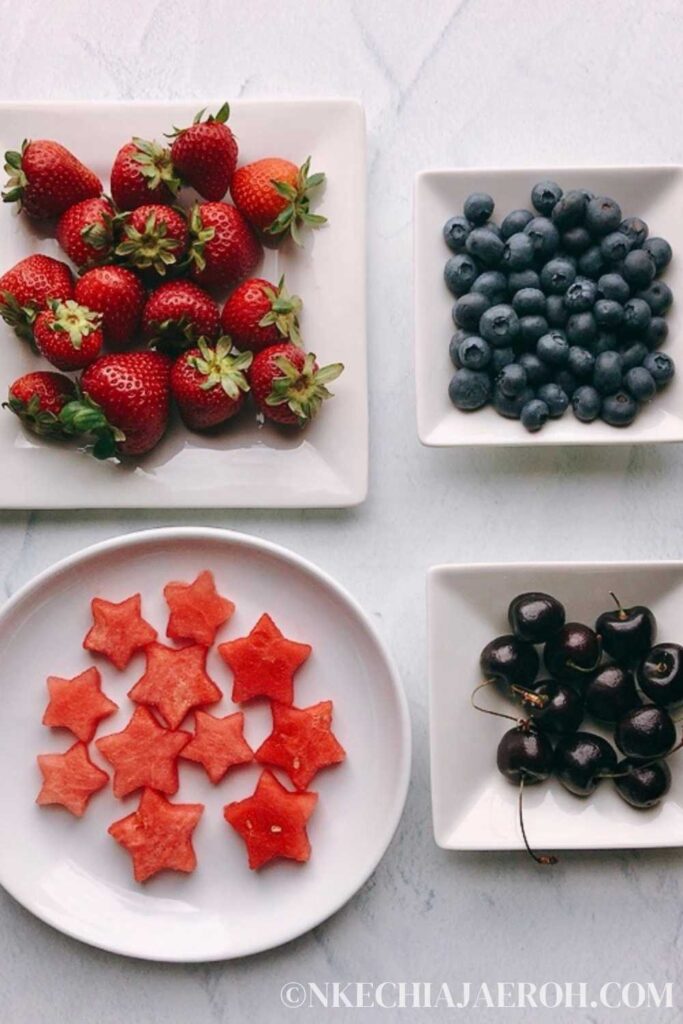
562,711
660,674
509,660
525,757
611,693
535,617
581,761
627,633
572,653
645,732
642,785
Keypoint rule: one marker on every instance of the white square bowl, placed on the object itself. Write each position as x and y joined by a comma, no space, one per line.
653,193
246,465
473,806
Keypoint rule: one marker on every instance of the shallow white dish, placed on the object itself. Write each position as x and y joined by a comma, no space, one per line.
473,806
653,193
73,875
245,466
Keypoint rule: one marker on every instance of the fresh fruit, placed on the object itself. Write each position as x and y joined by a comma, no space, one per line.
611,693
223,247
460,273
209,384
582,760
275,196
38,398
478,208
272,822
144,754
455,232
177,314
535,617
68,335
469,389
158,835
197,610
572,654
660,674
544,197
78,704
118,295
155,238
175,681
627,633
301,742
561,710
86,232
534,414
645,732
642,785
28,287
264,663
258,314
70,779
489,249
118,630
205,154
288,385
143,173
509,660
218,744
46,179
524,753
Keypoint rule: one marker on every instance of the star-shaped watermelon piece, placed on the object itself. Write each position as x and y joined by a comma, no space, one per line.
302,742
272,822
78,704
118,630
70,779
144,754
264,663
218,743
175,681
197,609
158,835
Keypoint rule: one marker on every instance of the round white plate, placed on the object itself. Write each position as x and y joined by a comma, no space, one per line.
72,874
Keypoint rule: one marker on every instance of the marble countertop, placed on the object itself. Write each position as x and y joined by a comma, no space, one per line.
444,83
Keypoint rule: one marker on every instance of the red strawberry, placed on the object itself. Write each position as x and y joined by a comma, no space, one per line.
275,196
288,385
46,179
125,403
177,314
28,287
119,296
205,154
155,237
86,231
142,173
259,314
68,335
38,398
209,384
223,247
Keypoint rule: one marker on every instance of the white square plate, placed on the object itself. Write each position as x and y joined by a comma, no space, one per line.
653,193
473,806
246,466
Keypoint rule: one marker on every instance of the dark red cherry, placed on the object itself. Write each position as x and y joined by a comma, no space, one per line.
643,785
573,653
535,617
646,732
627,633
524,753
509,660
562,711
581,760
660,674
610,693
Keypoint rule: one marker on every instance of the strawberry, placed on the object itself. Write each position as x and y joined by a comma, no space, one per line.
125,403
38,398
118,295
143,173
46,179
28,287
275,196
68,335
155,237
177,314
209,384
288,385
223,247
259,314
205,154
86,232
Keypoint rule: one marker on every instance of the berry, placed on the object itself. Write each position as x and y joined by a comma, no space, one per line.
478,208
523,279
155,238
636,231
544,236
640,383
569,210
531,328
460,272
553,348
68,335
499,325
205,154
657,332
661,367
469,389
512,380
37,399
658,297
143,173
544,196
474,353
576,241
453,348
28,287
565,379
556,313
555,398
580,296
607,375
492,284
639,269
659,250
619,410
580,361
613,286
591,263
633,355
177,314
288,385
46,179
501,357
485,246
258,314
529,302
223,248
455,232
615,247
605,342
209,384
118,295
515,221
518,253
468,310
586,403
602,215
86,232
581,329
557,275
275,196
637,318
511,408
608,313
534,415
537,371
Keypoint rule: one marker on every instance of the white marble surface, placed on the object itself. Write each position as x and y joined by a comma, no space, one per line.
444,82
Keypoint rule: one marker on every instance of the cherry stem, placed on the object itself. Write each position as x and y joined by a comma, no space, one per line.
488,711
643,764
539,700
543,858
622,613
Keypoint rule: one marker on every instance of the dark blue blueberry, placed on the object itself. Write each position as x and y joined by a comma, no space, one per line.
534,415
518,253
660,250
658,297
453,349
492,226
608,313
637,316
455,232
512,380
468,311
605,342
635,230
557,275
566,380
519,279
580,362
608,373
493,285
570,210
619,409
469,389
639,269
640,383
511,408
657,332
499,325
556,312
586,403
478,207
553,349
501,357
545,237
582,329
529,302
661,366
603,215
544,195
459,273
576,240
531,328
537,372
474,353
613,286
581,294
591,262
515,221
555,398
485,246
615,247
633,355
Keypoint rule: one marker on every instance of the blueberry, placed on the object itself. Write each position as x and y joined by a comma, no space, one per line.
557,275
492,226
512,380
537,372
544,195
635,230
492,284
569,210
459,273
615,247
657,332
576,240
499,325
661,366
518,253
591,262
660,250
556,312
555,398
519,279
607,375
468,310
582,329
613,286
586,403
529,302
455,232
580,362
545,237
605,342
602,215
501,357
531,328
485,246
633,355
658,297
619,409
608,313
637,318
553,349
511,407
515,221
566,380
453,349
640,384
581,294
469,389
478,207
639,269
534,415
474,353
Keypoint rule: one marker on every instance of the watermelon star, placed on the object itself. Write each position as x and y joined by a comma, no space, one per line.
158,835
70,779
218,743
78,704
143,754
197,609
301,742
175,681
264,663
272,821
118,630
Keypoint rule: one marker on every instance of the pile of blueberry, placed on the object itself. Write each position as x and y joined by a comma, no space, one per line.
561,306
